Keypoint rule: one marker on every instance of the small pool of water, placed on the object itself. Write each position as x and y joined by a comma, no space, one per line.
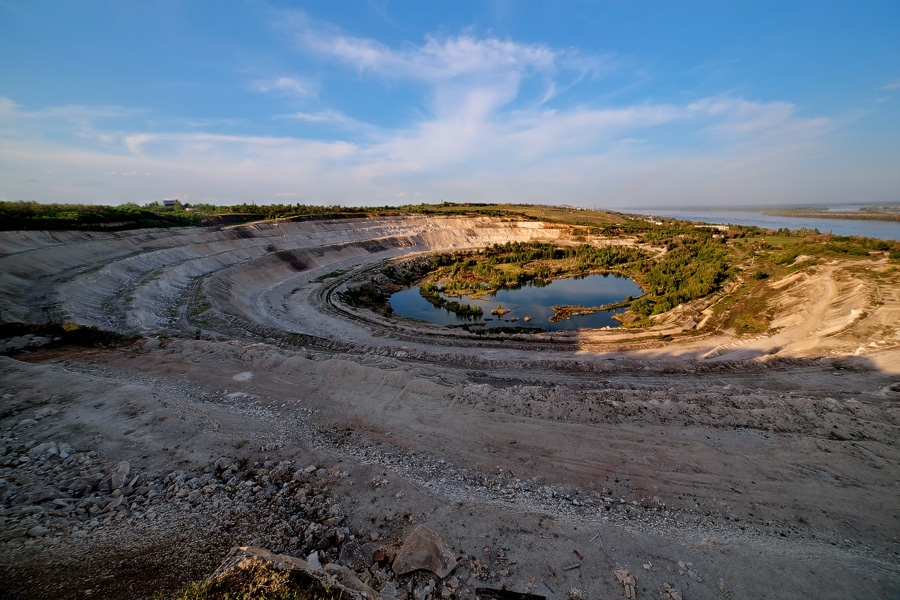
532,301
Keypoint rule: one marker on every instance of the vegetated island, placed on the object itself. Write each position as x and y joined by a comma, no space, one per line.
568,311
863,214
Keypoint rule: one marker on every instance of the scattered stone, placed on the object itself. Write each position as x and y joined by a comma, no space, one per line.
577,594
424,550
45,411
722,588
313,559
628,582
12,533
38,531
65,450
113,504
80,487
383,556
26,423
42,494
118,476
422,592
389,590
357,555
349,580
105,485
670,593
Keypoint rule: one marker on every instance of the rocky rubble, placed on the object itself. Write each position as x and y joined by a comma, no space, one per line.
84,493
504,487
52,494
44,463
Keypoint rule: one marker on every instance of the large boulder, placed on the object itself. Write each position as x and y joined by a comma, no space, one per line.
425,550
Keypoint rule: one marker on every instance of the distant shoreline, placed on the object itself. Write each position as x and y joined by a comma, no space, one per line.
827,214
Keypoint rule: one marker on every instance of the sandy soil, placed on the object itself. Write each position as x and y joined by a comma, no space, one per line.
770,462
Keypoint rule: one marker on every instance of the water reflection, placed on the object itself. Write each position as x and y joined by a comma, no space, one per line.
534,300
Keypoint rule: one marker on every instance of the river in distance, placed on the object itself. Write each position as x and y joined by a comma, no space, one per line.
883,230
535,301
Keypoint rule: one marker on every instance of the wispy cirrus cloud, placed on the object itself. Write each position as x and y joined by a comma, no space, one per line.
294,86
67,120
759,120
323,116
457,70
71,113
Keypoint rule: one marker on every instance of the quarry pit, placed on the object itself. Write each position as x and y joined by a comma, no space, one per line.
720,464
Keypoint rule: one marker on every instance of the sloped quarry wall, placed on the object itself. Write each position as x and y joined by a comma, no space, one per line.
139,281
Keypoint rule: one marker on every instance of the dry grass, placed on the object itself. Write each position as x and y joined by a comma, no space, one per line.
255,579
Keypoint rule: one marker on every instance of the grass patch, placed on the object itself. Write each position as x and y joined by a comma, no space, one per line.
750,313
331,275
200,306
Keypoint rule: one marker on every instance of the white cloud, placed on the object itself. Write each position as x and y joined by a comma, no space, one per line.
460,71
890,87
736,116
69,113
476,139
290,85
608,156
323,116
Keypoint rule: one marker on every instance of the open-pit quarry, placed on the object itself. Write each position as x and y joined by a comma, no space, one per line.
245,405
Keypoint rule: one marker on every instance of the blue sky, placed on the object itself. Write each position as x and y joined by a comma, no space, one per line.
606,103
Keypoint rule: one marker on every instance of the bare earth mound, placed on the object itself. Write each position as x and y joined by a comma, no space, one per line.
719,465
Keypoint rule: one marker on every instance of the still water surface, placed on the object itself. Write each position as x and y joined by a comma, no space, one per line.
883,230
530,300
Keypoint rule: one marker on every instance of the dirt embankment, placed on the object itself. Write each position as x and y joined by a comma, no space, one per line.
731,466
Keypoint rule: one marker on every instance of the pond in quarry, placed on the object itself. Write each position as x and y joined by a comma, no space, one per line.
531,301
